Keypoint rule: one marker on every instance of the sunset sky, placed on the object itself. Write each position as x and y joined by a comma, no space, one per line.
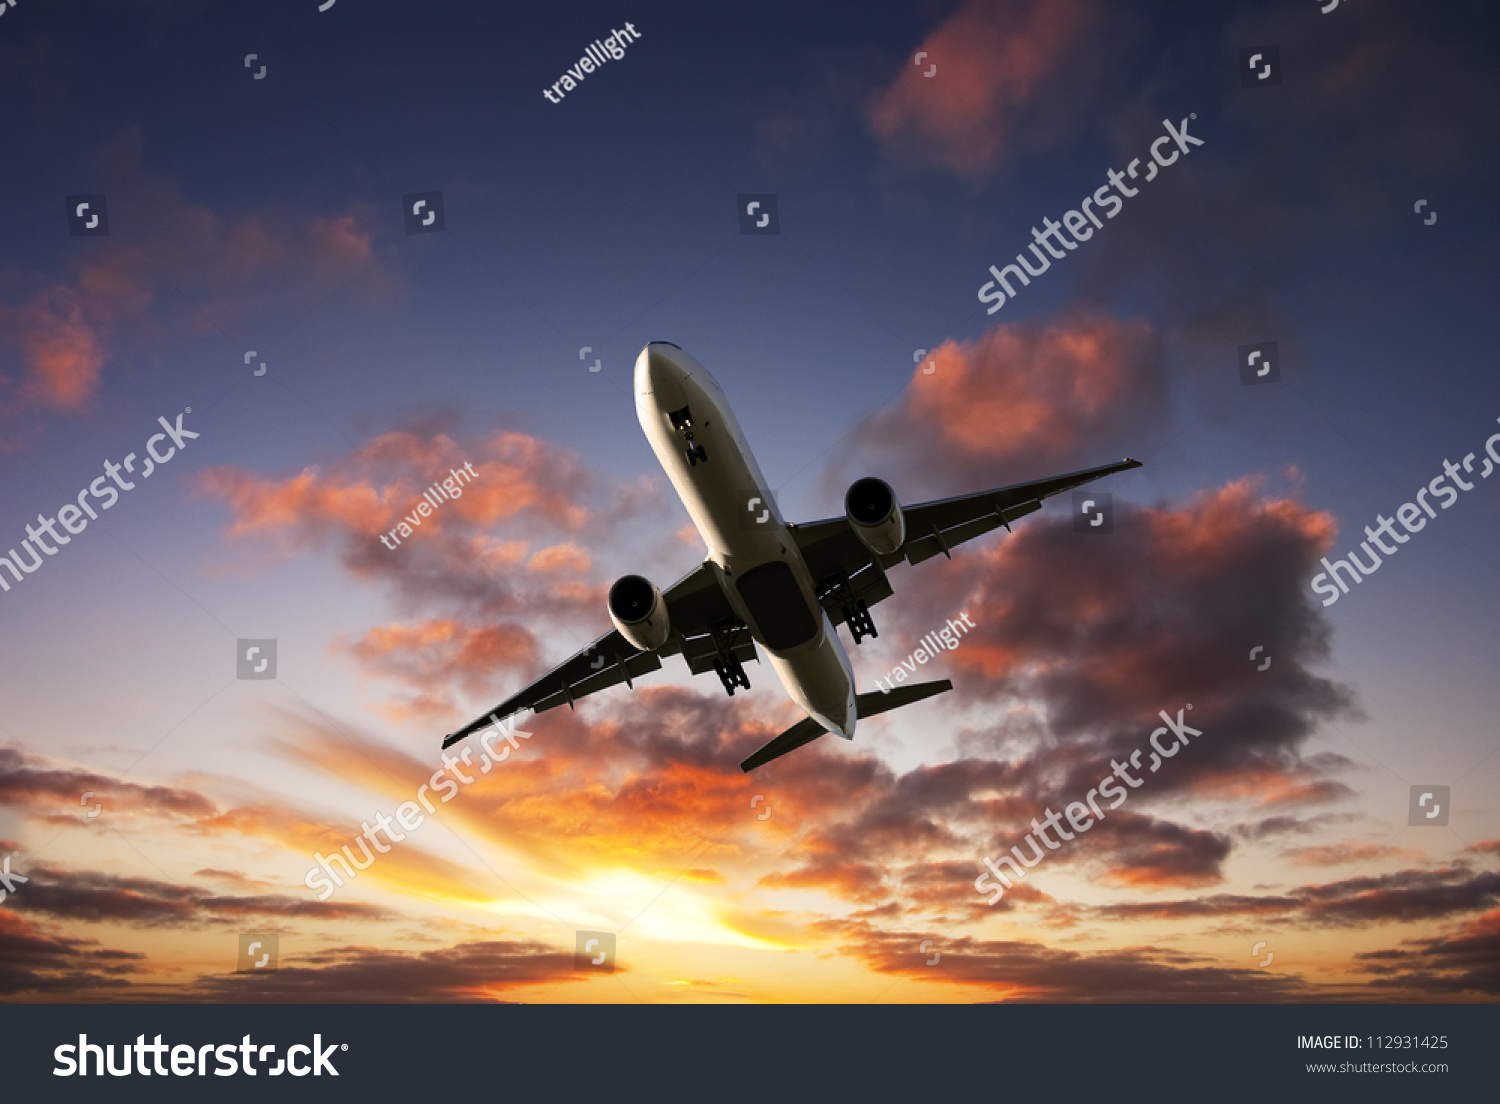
259,223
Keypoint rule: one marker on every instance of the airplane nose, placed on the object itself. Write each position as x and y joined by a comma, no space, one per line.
661,367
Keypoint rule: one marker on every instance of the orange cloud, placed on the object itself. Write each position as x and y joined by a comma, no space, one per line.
1049,603
35,785
221,270
380,485
53,792
1032,971
560,558
451,564
1028,399
1342,854
429,655
303,504
60,352
993,58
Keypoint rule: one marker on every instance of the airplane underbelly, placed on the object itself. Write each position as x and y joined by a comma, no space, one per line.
819,679
777,606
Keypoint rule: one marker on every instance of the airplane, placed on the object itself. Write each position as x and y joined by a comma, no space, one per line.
784,587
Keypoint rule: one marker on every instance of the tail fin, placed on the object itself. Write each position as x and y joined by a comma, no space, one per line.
807,730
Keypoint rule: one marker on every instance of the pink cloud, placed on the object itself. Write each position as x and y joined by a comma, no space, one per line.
993,58
1027,400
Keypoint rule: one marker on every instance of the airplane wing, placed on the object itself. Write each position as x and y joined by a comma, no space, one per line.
698,612
844,569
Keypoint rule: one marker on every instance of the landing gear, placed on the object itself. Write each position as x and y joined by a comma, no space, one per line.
849,600
731,673
857,617
682,422
727,665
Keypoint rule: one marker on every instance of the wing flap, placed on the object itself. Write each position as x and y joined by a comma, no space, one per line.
700,651
611,673
918,549
869,585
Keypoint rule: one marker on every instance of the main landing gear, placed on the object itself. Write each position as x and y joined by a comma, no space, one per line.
731,673
856,612
857,617
727,665
682,422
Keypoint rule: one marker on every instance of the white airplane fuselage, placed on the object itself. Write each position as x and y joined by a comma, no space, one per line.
759,566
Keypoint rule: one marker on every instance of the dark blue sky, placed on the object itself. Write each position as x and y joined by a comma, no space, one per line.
608,220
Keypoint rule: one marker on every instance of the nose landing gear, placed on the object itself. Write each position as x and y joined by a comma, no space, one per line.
682,422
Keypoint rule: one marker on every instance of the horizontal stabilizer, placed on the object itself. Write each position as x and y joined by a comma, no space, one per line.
882,701
804,731
807,730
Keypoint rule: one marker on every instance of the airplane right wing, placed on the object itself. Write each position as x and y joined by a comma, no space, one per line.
944,524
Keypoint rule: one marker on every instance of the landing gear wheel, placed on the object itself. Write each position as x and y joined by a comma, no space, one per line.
857,617
682,422
731,673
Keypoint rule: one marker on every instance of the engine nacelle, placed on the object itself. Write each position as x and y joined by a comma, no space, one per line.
639,613
875,515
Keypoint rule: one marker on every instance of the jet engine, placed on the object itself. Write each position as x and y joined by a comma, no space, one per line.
875,515
639,613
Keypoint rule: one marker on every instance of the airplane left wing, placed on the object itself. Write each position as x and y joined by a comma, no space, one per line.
697,609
